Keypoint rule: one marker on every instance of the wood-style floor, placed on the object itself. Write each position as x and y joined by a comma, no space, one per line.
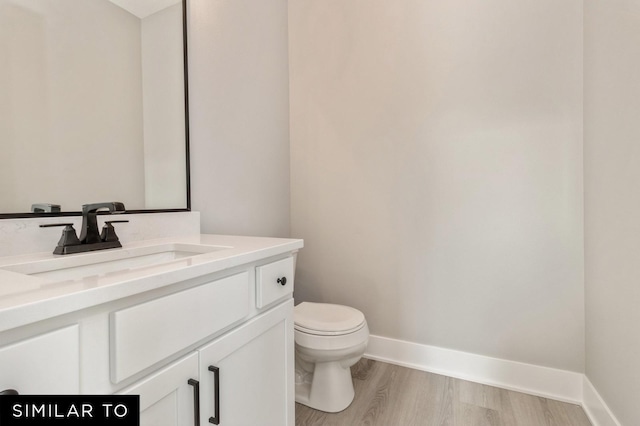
389,395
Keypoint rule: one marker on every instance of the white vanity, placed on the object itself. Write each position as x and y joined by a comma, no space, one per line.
200,327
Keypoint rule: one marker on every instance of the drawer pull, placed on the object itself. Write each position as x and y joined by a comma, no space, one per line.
9,392
196,401
282,281
216,389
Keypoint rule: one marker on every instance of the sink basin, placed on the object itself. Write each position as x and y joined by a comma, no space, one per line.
102,263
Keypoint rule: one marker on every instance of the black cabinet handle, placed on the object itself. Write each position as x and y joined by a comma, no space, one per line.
282,281
9,392
216,401
196,401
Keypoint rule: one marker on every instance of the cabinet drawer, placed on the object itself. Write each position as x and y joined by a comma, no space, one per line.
274,281
45,364
145,334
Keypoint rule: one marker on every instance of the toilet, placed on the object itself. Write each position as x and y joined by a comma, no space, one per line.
329,339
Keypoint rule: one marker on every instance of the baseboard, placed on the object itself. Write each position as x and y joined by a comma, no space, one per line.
595,407
547,382
561,385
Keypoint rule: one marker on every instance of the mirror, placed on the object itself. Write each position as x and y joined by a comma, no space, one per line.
93,105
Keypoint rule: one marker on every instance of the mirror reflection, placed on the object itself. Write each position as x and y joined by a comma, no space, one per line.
92,104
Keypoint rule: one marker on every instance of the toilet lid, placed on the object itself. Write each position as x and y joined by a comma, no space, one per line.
321,318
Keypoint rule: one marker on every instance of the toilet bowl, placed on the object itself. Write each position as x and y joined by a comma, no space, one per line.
329,339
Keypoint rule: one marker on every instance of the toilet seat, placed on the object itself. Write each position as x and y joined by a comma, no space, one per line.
324,319
326,333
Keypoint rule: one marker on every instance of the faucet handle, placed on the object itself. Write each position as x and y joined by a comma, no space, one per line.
109,232
68,238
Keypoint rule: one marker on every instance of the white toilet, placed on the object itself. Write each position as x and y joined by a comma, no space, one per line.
329,339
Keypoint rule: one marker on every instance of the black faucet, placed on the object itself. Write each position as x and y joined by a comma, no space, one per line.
90,239
89,233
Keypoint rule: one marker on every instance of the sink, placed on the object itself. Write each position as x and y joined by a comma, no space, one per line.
92,264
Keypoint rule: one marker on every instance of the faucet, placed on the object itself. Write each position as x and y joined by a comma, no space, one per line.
90,239
89,233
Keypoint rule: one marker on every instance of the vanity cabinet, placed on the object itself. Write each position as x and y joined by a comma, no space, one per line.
243,378
212,345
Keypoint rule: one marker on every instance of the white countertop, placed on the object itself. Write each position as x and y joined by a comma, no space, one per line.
26,299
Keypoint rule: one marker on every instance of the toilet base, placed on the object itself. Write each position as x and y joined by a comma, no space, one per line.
329,388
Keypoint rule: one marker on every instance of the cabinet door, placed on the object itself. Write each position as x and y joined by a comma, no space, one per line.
254,374
44,364
169,397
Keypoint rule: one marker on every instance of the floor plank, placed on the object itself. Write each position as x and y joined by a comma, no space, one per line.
389,395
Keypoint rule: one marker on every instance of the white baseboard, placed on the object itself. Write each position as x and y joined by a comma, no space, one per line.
547,382
561,385
595,407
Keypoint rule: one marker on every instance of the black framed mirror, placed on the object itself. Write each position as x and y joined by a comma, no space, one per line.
94,99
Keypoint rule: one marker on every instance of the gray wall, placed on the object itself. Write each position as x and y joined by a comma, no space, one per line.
612,203
239,98
436,170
